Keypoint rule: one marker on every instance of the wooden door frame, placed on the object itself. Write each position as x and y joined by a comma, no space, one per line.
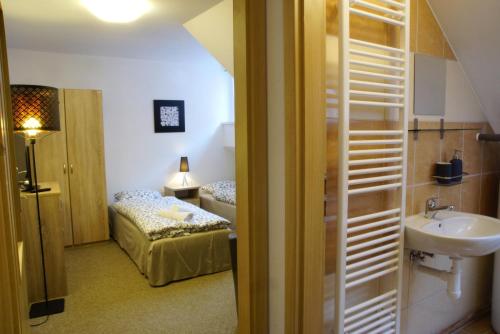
12,291
250,76
305,132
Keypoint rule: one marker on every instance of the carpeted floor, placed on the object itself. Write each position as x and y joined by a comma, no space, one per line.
107,294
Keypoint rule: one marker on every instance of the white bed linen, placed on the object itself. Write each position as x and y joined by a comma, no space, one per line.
144,213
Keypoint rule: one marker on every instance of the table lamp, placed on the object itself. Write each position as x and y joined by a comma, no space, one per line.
184,168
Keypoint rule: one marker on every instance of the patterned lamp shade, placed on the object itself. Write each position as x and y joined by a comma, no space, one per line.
35,110
184,167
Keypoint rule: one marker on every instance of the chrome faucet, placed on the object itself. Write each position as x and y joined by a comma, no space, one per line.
432,208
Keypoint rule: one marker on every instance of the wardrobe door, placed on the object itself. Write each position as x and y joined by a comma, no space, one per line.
52,166
86,165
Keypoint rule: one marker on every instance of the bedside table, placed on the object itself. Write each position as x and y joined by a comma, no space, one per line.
190,194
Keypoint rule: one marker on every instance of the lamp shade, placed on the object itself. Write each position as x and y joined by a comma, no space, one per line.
184,167
35,110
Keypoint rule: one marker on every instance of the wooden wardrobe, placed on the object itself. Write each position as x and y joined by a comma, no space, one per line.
74,157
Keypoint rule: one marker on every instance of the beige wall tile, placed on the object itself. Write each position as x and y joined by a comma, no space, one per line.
434,314
411,161
491,157
362,292
489,195
363,204
413,25
477,280
409,201
429,125
472,157
427,153
429,37
453,140
421,194
450,195
453,125
471,194
422,285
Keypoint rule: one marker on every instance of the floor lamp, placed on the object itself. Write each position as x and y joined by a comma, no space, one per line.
36,115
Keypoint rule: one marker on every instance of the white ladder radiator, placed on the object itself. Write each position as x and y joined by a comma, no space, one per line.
374,78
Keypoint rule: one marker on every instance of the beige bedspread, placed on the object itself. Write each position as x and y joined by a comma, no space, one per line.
170,259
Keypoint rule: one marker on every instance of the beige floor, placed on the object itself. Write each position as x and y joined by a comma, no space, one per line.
481,326
108,295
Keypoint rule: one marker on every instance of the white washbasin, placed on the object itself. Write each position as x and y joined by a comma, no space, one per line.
456,234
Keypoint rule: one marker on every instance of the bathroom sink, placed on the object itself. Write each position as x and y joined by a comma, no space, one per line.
455,234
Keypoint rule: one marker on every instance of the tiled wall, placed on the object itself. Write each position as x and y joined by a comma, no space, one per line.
426,306
479,191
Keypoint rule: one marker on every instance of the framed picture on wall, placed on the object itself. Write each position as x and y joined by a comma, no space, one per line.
169,116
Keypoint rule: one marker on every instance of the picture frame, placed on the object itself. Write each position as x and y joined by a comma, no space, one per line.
169,116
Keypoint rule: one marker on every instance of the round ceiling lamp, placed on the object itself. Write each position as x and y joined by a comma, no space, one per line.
117,11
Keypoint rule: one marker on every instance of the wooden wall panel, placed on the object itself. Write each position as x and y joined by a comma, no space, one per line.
250,75
13,304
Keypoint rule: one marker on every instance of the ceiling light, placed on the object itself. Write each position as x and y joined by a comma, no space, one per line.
117,11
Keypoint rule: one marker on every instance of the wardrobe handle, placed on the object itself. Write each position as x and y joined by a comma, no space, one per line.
64,168
71,168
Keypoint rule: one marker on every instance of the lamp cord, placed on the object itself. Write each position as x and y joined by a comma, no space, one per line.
33,141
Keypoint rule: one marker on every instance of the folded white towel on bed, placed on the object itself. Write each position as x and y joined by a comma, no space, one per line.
178,208
176,215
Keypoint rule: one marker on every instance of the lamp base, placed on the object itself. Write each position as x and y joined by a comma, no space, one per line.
185,180
41,309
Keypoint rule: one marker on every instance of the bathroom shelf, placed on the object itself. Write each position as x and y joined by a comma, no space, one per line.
441,129
452,183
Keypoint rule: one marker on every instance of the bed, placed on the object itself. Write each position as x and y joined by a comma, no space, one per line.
220,198
176,253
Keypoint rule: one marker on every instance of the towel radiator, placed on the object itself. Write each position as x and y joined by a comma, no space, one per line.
373,78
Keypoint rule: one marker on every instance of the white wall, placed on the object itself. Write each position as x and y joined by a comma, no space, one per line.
136,157
461,104
214,30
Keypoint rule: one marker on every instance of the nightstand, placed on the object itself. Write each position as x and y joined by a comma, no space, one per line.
190,194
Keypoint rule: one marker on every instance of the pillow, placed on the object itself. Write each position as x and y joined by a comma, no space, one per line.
131,194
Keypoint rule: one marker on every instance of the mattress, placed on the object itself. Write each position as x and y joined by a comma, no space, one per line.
209,203
171,259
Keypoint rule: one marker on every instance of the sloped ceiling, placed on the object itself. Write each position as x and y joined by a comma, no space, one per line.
66,26
214,30
473,30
